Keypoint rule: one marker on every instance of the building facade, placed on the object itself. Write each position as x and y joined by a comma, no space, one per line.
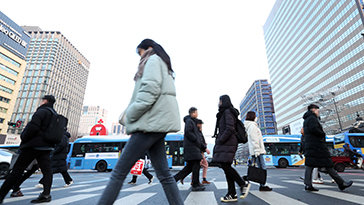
259,99
117,129
13,47
91,115
54,67
315,54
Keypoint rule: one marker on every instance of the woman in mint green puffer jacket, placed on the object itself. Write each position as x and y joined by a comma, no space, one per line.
151,114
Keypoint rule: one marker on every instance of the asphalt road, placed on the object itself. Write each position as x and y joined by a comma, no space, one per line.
287,189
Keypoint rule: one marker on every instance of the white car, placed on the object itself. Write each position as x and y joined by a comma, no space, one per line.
5,159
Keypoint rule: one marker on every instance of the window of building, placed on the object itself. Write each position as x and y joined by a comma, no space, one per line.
3,110
2,120
3,56
5,89
6,79
9,70
4,99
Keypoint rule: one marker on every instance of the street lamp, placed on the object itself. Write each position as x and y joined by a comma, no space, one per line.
68,107
337,113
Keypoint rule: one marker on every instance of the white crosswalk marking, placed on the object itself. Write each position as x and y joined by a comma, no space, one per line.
93,181
71,199
341,195
273,186
91,189
30,197
221,185
204,197
315,185
184,187
139,187
275,198
58,189
134,199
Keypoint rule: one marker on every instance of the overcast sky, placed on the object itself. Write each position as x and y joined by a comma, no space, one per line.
216,47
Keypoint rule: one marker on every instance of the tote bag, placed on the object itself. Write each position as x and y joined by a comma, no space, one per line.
256,174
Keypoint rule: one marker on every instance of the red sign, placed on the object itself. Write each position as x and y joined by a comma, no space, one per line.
138,167
99,129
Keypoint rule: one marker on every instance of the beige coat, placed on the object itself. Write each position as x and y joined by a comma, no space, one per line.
255,138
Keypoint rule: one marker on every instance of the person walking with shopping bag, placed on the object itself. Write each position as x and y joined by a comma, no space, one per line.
152,113
226,144
256,145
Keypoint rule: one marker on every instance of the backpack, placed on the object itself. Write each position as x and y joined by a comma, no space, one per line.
240,132
56,128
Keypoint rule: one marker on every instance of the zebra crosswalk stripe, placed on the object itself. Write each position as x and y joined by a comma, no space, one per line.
275,198
134,199
75,198
58,189
139,187
316,185
184,187
341,195
15,199
90,189
204,197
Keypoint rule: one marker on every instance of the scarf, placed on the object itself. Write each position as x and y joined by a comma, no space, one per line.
144,58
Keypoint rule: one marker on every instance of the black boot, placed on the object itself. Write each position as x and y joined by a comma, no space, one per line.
310,188
345,185
42,199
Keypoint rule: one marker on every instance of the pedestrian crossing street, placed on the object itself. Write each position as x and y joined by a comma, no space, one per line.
88,192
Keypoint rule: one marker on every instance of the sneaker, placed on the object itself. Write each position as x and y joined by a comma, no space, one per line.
345,185
198,188
69,184
265,188
229,198
42,199
151,180
16,194
132,182
245,190
39,186
317,181
333,181
311,188
302,178
206,182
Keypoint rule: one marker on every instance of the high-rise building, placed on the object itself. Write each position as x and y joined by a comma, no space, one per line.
117,129
259,99
316,47
13,47
91,115
54,67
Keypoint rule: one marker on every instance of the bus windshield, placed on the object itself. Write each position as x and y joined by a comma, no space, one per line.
357,141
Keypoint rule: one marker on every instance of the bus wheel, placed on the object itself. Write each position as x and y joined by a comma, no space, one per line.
101,166
340,167
282,163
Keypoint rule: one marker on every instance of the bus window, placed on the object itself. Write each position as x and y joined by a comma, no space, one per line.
356,141
339,139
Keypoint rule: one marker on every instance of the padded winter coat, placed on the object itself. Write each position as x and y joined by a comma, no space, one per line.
255,138
192,142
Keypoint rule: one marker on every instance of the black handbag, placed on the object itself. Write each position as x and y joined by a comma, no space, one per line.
256,174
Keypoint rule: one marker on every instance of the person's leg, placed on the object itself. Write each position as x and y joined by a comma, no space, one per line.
205,166
25,176
44,162
334,175
66,177
133,179
159,161
147,174
23,161
261,164
196,173
229,180
137,145
308,176
315,174
184,172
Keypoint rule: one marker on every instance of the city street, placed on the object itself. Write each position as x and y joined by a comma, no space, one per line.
287,189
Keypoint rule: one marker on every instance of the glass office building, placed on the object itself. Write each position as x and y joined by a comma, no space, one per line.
313,47
259,99
54,67
13,47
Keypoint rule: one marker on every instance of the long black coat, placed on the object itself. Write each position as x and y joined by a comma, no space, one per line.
192,140
316,152
226,142
59,156
33,134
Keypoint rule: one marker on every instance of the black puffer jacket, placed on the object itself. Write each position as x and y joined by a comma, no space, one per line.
316,152
226,142
32,135
59,156
192,140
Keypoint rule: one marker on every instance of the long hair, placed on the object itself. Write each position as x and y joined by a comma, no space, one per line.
158,49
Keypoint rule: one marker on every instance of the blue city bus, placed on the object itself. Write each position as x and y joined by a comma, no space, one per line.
283,150
102,152
354,140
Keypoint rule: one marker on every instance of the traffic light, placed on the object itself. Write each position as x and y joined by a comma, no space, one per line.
12,124
18,123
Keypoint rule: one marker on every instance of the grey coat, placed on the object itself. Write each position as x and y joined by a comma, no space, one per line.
153,106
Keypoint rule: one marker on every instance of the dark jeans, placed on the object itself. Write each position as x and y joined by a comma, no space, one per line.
331,171
146,174
66,177
191,166
25,176
137,145
25,158
232,176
